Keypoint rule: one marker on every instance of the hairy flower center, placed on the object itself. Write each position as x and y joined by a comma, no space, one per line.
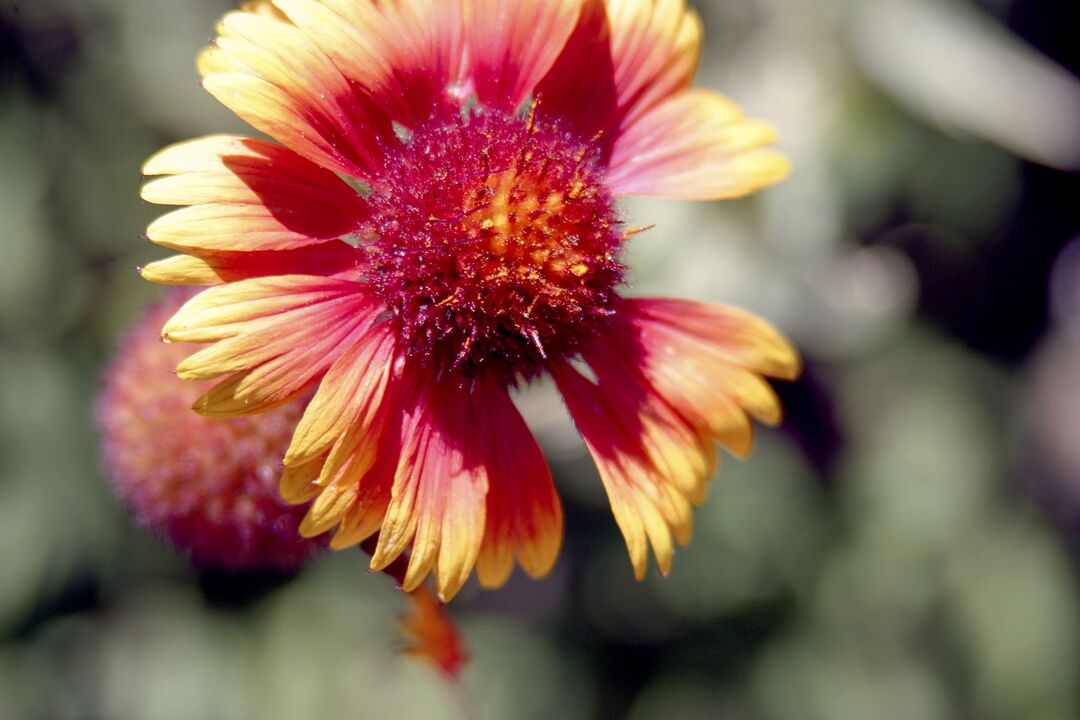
495,243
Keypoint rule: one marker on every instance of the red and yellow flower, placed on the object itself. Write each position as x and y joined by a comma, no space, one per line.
434,222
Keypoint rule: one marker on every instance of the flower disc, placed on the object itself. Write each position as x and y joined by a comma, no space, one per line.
495,243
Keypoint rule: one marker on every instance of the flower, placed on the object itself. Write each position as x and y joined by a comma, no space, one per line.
209,486
435,223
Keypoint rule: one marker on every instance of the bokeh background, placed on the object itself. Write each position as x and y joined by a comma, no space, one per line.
905,547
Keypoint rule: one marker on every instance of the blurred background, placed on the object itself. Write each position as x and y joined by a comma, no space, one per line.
906,546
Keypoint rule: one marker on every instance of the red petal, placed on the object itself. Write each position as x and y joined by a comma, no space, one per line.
513,44
672,377
438,505
273,336
331,259
278,79
407,55
246,194
623,58
524,516
694,146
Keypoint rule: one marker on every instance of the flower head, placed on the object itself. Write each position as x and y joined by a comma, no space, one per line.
210,487
437,221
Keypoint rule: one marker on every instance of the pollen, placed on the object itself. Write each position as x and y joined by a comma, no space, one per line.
495,243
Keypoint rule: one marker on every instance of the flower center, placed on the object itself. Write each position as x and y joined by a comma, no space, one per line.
495,243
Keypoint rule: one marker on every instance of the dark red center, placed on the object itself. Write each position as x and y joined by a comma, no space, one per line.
495,243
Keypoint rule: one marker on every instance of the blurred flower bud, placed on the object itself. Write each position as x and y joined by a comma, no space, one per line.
432,635
209,486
